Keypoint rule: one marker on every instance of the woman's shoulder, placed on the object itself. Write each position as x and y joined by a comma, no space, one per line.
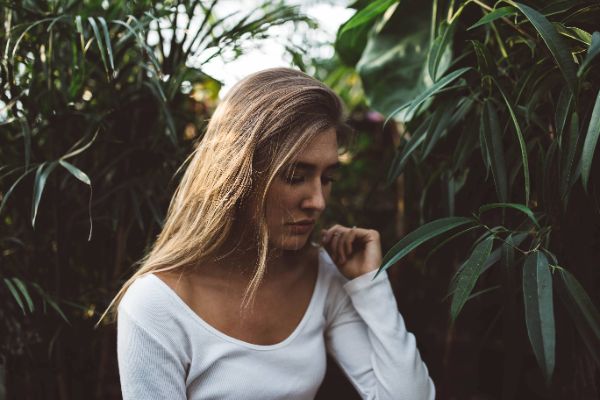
146,301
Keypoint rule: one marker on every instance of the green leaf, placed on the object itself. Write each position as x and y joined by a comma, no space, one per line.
21,286
468,276
440,49
27,140
539,310
502,250
519,207
101,48
418,237
393,65
568,170
76,172
485,63
522,145
367,14
573,32
592,52
563,110
10,190
411,106
493,140
47,298
582,300
549,183
72,153
437,125
554,42
22,35
493,15
15,294
82,176
589,145
107,42
583,312
41,175
402,157
140,42
79,27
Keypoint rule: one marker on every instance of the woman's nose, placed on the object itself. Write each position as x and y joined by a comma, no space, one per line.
315,199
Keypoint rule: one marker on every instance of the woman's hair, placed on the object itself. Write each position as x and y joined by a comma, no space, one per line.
263,121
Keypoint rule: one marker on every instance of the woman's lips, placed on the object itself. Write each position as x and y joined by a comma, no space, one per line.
301,228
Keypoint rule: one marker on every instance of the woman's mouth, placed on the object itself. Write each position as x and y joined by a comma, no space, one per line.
302,227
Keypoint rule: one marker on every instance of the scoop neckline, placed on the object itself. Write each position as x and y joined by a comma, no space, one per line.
194,316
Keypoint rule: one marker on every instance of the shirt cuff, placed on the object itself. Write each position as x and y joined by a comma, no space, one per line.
366,281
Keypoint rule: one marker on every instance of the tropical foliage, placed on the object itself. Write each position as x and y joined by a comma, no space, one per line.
100,104
499,103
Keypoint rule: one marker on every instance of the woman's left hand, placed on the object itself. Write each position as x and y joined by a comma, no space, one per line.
355,251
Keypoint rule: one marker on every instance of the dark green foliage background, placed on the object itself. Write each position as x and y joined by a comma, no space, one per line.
97,120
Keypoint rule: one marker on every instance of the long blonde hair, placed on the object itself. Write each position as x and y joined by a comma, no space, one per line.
255,131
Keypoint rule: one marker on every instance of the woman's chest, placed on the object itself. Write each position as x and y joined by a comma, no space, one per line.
273,316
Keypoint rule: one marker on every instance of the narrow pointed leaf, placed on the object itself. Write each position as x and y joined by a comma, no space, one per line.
41,175
471,270
420,236
10,190
568,165
402,157
15,294
99,41
485,153
411,106
493,15
563,110
79,27
50,301
107,42
438,49
592,52
493,139
367,14
539,311
24,292
582,300
522,145
72,153
553,41
438,124
589,145
76,172
519,207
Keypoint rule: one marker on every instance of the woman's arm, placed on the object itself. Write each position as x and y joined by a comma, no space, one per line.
368,339
148,365
366,333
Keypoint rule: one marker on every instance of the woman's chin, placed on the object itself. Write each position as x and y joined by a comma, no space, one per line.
293,243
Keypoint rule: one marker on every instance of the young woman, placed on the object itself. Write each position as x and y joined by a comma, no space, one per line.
234,301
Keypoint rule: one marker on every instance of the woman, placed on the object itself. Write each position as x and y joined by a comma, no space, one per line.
234,301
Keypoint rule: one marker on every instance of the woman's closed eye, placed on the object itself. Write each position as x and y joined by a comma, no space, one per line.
298,179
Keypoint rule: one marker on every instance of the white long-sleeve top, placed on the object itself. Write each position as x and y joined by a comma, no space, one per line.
167,351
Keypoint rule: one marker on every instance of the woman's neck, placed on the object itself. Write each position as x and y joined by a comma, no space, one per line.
240,263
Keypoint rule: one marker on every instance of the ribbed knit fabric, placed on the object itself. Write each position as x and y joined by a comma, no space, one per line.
166,351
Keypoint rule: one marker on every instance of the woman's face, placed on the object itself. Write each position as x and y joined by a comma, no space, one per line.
298,195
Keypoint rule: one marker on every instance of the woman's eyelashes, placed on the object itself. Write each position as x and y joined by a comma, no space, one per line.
298,179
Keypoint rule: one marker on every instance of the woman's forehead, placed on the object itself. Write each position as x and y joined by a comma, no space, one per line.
320,152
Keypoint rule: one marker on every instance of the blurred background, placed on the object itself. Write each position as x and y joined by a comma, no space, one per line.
475,155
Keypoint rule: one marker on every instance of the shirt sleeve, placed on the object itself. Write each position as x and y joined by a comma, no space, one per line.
148,366
368,339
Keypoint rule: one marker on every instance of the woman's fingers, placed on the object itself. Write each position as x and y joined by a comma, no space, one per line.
350,239
339,240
